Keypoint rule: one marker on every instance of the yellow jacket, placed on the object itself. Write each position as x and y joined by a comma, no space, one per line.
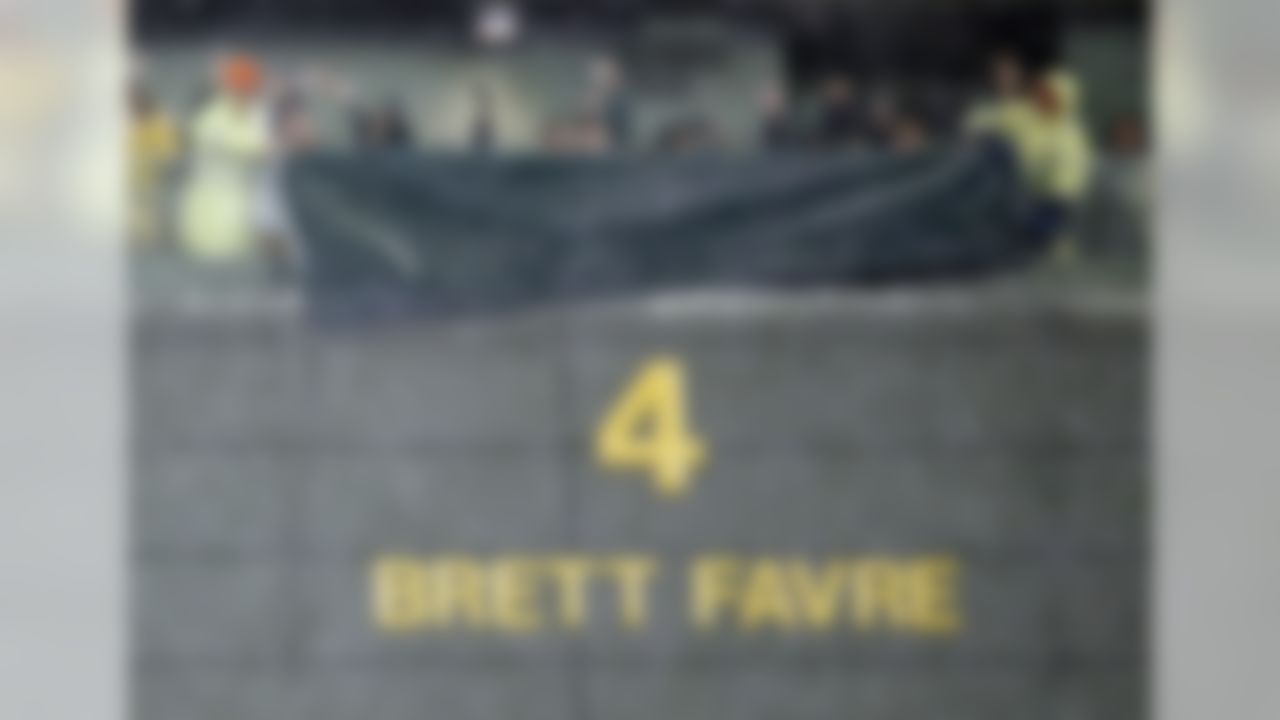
230,146
1005,117
1058,155
153,145
1053,152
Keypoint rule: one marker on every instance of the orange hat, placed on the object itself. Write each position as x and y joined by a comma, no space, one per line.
239,73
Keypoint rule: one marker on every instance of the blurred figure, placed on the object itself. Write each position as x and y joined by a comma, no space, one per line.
1040,123
291,125
1056,156
383,126
1127,137
1007,91
153,148
779,126
557,136
1122,207
882,119
1059,154
484,131
580,134
908,133
292,133
842,119
608,99
231,143
686,135
1007,110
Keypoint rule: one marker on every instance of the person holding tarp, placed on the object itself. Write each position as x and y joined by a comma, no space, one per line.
1042,128
231,145
450,235
1008,109
1057,158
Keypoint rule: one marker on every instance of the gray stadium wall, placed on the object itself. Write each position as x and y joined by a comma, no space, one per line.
272,461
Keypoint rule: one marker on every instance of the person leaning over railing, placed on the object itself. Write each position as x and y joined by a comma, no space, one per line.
1043,130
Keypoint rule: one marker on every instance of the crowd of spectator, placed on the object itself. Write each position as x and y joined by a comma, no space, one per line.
837,111
237,139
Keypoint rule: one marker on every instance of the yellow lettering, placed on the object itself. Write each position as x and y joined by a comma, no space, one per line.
633,575
572,574
648,428
765,601
514,595
712,581
820,593
399,594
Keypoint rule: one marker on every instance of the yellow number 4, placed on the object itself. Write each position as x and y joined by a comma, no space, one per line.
648,428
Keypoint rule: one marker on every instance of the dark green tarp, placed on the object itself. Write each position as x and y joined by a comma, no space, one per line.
452,234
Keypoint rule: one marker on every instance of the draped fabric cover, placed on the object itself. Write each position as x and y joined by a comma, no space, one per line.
459,234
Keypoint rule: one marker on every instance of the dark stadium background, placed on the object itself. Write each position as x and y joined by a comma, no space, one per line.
913,37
